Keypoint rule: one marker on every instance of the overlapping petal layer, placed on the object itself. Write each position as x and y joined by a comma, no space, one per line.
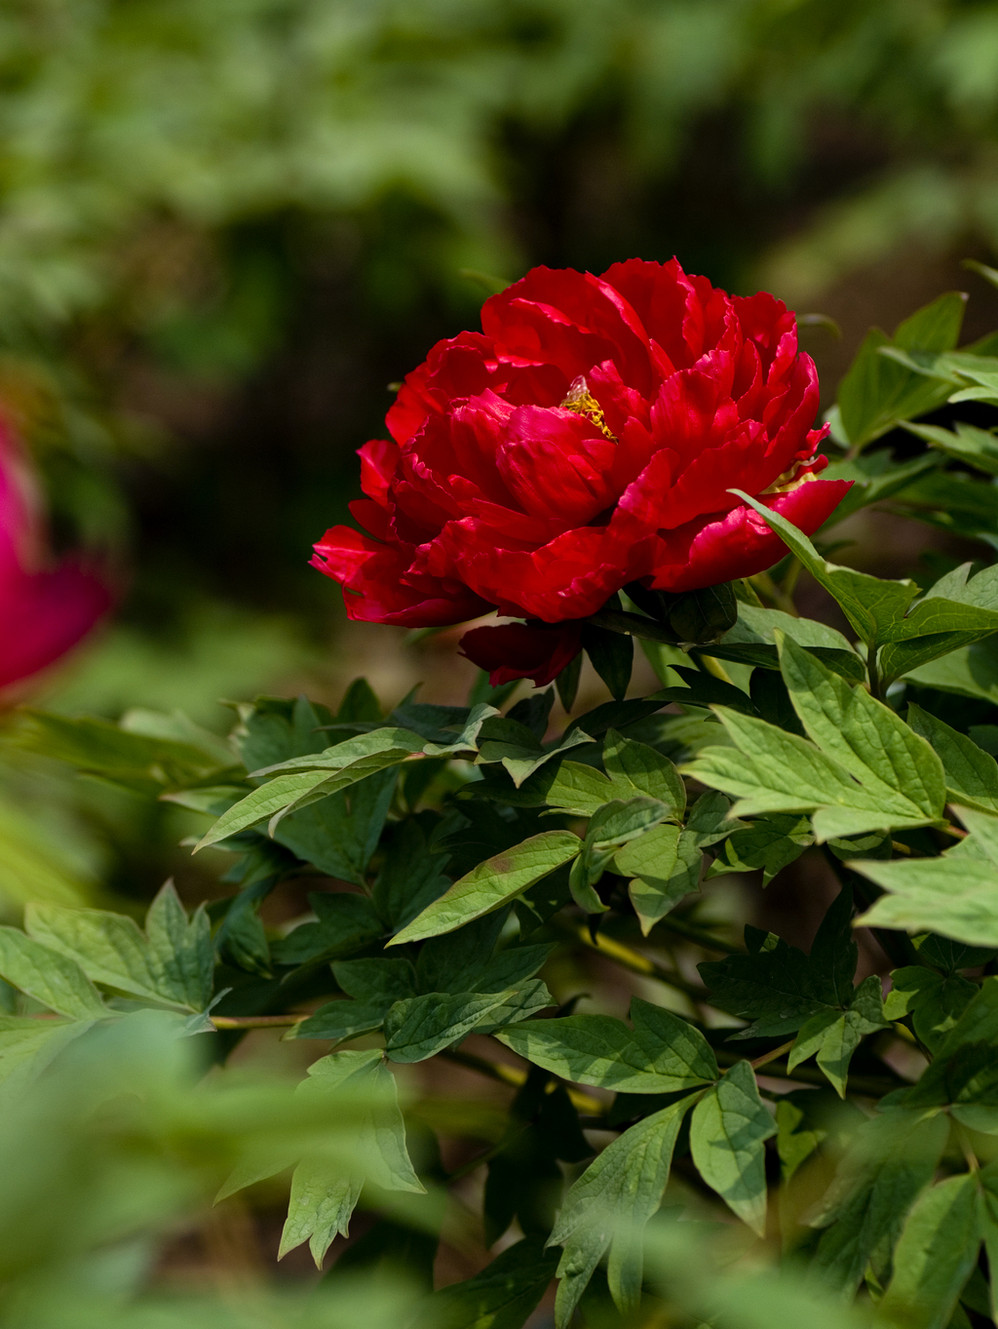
588,437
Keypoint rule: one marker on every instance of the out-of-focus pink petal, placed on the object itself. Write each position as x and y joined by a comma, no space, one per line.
45,614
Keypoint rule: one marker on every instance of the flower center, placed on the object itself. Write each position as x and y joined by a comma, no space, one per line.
582,402
791,478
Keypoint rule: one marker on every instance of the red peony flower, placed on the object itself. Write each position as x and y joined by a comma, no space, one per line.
44,611
588,437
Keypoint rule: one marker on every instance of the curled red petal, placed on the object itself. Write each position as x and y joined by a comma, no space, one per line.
740,544
377,587
523,650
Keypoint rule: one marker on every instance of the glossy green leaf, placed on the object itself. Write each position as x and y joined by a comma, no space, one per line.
871,605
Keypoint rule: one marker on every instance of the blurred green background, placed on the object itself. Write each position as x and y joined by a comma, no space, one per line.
226,227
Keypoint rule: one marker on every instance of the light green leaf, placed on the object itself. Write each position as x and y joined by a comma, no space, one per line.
976,447
143,762
172,962
955,897
971,773
878,392
646,770
28,1045
935,1254
728,1130
665,865
865,736
54,979
753,640
609,1206
770,770
662,1054
321,1204
492,884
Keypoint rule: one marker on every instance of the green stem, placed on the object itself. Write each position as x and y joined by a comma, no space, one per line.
698,934
873,674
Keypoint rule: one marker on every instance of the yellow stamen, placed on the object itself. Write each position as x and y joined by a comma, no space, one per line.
582,402
790,479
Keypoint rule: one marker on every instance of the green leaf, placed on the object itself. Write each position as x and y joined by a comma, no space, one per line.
662,1054
952,896
611,655
891,1158
27,1046
644,769
975,447
877,392
871,605
142,762
752,640
492,884
375,985
728,1131
50,977
934,1001
769,844
834,1036
971,773
867,737
301,781
323,1194
935,1254
340,835
963,1074
172,962
502,1296
665,865
777,986
609,1206
989,1222
769,770
419,1027
347,923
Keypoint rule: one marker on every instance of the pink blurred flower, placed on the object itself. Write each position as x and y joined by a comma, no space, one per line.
45,609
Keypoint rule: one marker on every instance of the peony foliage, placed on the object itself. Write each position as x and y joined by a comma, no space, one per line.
516,941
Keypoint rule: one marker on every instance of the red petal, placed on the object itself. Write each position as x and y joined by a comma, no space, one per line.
555,464
520,650
375,590
47,614
740,543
